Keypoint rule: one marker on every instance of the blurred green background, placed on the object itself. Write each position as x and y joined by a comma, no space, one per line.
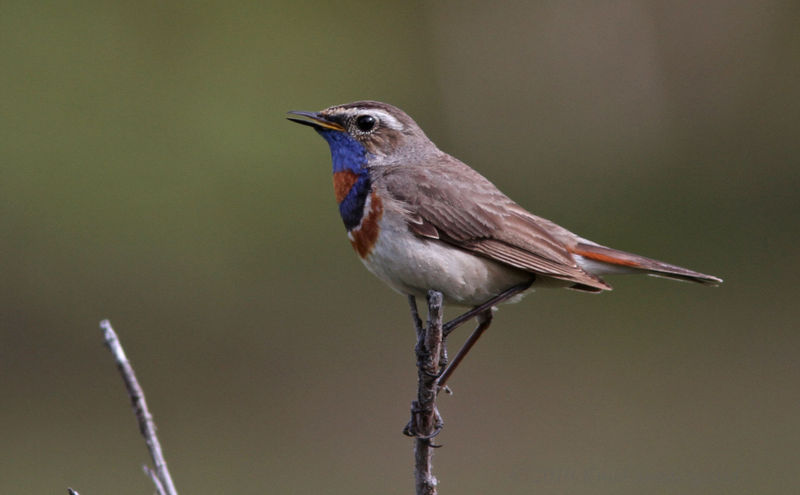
147,175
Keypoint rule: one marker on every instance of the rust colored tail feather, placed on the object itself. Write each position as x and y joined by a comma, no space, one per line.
657,268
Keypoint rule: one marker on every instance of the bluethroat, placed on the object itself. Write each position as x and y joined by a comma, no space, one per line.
420,219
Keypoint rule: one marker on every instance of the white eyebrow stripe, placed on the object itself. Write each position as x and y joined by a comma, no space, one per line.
385,117
388,120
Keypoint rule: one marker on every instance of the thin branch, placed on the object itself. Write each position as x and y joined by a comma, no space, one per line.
161,477
154,478
425,421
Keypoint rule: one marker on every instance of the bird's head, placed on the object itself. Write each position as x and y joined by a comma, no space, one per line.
383,131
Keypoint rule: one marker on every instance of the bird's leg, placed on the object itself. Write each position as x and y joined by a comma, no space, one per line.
483,313
412,304
484,320
477,310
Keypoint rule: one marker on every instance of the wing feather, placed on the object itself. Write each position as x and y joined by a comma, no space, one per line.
446,200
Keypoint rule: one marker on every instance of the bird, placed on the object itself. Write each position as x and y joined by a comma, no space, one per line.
420,220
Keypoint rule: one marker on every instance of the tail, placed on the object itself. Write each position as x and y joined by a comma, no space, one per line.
598,259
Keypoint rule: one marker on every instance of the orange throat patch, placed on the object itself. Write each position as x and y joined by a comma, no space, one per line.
342,183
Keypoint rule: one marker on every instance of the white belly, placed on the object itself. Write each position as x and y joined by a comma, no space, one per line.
413,265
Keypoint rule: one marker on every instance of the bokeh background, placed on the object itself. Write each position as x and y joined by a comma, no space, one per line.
147,175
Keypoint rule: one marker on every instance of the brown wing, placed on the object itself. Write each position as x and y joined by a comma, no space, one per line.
447,200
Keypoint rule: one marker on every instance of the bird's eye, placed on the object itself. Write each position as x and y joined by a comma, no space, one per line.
365,123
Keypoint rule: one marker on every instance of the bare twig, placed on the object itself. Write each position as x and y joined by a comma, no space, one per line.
425,421
160,476
154,478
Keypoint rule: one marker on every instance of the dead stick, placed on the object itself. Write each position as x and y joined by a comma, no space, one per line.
425,421
161,476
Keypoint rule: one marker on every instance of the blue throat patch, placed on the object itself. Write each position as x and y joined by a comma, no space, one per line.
348,155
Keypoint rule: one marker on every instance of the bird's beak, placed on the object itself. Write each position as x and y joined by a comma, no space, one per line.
316,121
